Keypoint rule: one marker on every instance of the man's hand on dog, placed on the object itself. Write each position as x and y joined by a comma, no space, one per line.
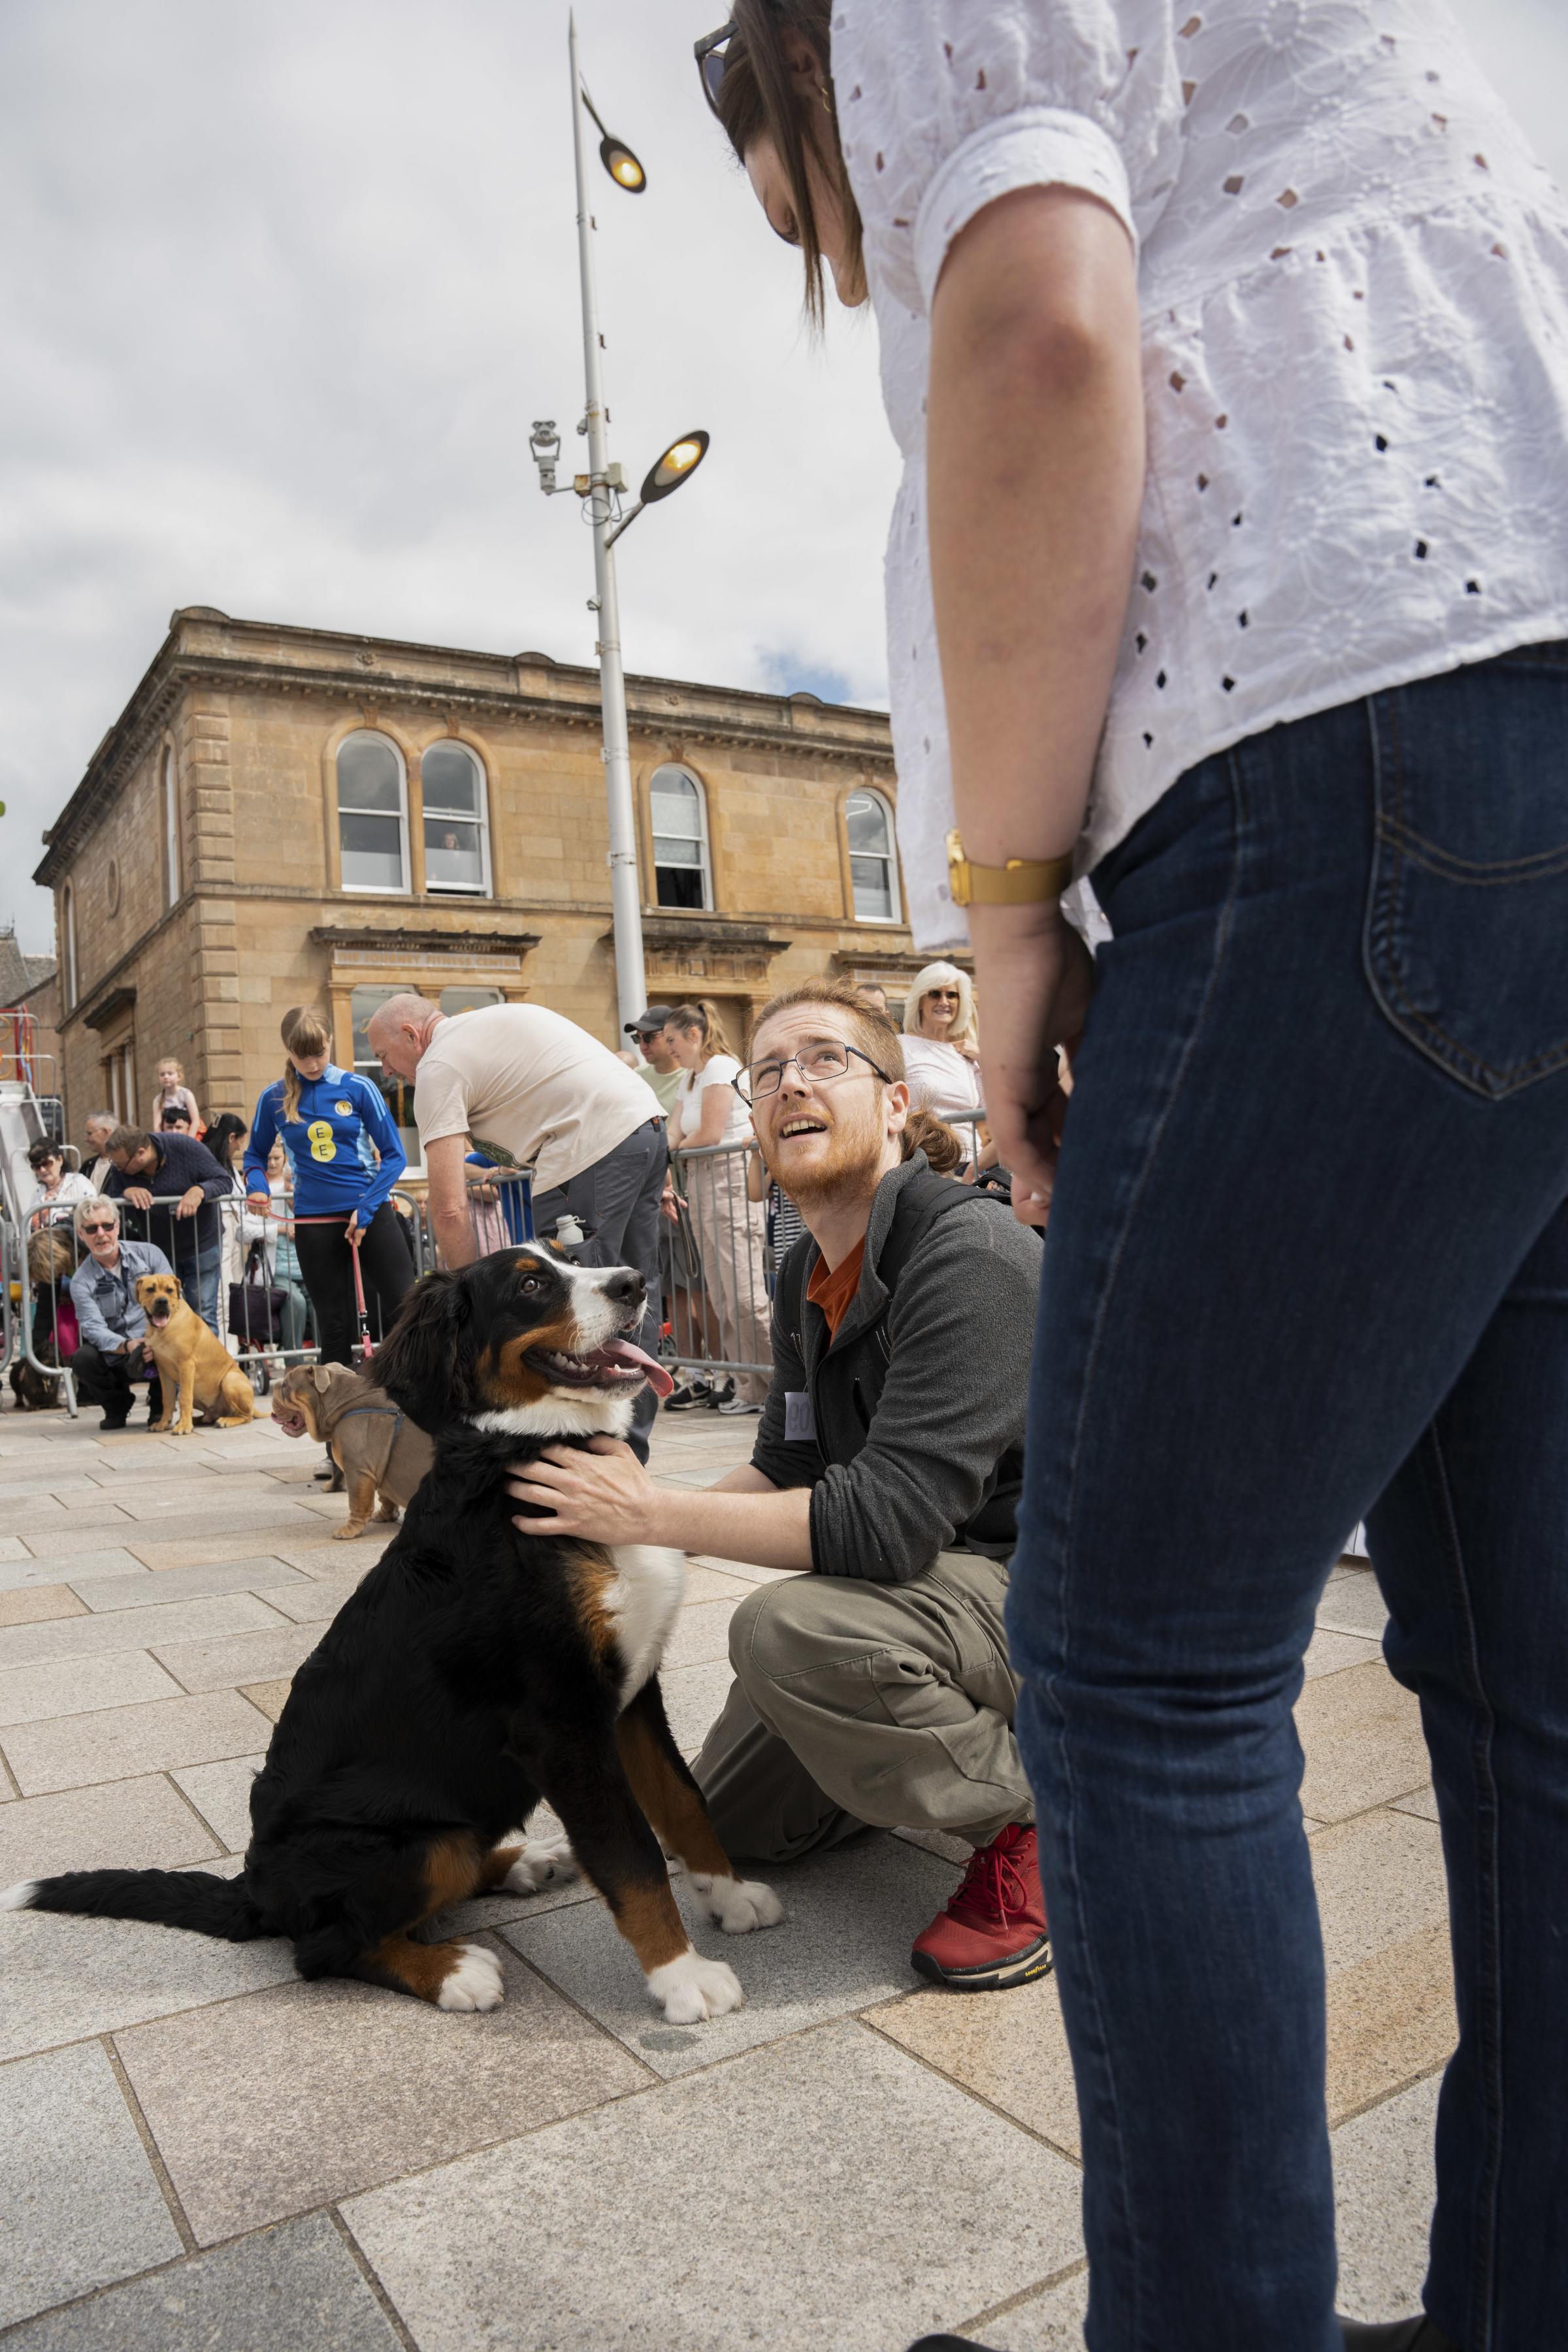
600,1492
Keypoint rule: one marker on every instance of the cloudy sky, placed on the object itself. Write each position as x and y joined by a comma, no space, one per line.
285,284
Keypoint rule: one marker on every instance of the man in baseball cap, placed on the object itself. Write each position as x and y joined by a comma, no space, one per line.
660,1068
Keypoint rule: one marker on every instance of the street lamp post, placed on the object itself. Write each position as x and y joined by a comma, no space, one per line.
600,489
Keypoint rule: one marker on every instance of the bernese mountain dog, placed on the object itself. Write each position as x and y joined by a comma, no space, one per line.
476,1669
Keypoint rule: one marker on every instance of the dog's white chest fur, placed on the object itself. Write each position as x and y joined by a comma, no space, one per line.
642,1605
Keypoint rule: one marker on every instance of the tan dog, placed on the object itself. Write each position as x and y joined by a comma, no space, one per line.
382,1455
191,1362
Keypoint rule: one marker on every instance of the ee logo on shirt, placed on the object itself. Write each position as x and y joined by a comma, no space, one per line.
323,1145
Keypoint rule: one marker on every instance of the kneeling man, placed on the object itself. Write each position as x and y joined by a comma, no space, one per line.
875,1688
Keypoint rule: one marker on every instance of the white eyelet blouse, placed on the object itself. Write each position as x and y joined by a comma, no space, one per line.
1354,280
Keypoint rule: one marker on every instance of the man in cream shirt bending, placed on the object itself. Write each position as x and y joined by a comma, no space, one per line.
530,1089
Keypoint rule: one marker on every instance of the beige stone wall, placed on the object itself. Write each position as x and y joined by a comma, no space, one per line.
253,718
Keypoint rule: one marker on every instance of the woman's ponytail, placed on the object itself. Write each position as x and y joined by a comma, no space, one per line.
304,1031
923,1131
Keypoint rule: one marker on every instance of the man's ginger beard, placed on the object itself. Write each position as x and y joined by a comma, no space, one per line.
847,1167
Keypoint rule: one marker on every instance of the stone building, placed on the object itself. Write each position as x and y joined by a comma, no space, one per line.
28,985
286,816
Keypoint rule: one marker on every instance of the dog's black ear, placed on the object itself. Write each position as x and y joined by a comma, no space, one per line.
425,1361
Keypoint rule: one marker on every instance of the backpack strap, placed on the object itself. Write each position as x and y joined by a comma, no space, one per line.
926,1197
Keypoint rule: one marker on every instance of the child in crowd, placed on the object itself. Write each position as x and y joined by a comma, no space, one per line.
172,1094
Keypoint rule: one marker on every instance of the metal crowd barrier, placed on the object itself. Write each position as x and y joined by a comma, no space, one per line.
717,1266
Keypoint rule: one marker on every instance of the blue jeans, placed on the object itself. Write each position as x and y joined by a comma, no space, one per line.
1307,1264
199,1279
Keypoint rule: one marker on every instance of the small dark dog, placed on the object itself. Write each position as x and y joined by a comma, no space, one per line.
475,1670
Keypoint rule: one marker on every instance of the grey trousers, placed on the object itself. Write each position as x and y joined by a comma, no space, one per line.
618,1196
858,1705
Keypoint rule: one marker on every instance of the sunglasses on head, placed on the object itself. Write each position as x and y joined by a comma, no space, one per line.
710,62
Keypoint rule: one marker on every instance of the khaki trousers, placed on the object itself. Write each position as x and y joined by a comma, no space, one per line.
731,1235
858,1705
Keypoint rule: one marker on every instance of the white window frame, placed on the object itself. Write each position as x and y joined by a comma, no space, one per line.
459,816
679,768
171,828
68,938
375,889
895,895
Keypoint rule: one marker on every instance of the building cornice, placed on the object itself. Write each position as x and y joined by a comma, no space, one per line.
205,648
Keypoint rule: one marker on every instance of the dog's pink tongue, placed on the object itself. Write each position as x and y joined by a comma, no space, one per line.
621,1351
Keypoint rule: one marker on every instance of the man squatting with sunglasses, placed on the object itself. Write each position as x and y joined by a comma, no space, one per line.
873,1688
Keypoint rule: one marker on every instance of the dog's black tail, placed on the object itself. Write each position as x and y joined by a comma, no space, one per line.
197,1899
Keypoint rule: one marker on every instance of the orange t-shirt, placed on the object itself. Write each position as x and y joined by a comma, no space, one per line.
833,1291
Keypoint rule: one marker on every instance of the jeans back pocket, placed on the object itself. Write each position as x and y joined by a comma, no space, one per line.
1466,942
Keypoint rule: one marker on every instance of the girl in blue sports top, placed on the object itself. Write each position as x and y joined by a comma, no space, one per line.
323,1113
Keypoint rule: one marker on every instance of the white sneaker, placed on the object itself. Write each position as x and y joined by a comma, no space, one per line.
736,1406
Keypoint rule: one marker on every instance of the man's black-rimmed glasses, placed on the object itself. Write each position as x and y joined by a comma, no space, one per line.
818,1064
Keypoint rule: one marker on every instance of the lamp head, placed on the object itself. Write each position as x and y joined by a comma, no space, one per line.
622,165
678,465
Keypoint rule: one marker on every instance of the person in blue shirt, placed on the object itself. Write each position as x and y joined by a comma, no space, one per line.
324,1115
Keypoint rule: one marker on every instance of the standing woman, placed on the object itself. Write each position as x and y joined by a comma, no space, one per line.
323,1115
941,1046
730,1227
1250,599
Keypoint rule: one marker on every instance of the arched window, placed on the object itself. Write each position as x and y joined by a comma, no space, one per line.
457,831
68,940
683,874
171,829
873,865
372,815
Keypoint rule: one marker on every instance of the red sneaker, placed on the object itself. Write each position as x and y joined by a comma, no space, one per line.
993,1934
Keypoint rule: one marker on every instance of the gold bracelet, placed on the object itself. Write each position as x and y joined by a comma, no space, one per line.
1022,882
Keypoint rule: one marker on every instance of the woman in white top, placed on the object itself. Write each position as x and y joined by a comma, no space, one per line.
731,1229
942,1050
59,1187
1227,348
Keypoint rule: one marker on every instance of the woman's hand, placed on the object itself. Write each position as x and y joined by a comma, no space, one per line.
261,1203
602,1493
1035,978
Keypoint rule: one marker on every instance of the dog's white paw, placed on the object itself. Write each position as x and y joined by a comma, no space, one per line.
690,1989
738,1905
475,1982
543,1862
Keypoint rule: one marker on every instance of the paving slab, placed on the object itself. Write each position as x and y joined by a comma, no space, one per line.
144,1588
1052,2322
266,2106
275,1537
700,1634
1422,1802
850,1920
268,1698
67,1977
692,1698
221,1794
747,1571
63,1557
828,2191
1328,1652
73,1686
1384,2187
240,1501
241,1659
1379,1879
11,1547
130,1825
79,2202
713,1584
38,1604
100,1634
1354,1603
1389,2019
313,1599
121,1741
1010,2048
293,2289
1361,1732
